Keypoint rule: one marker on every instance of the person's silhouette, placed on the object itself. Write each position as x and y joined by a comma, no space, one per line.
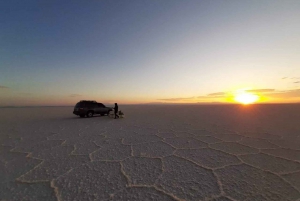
116,108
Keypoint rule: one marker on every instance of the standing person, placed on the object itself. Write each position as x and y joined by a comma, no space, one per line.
116,108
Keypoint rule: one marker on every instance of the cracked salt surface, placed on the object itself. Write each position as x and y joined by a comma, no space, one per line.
142,171
153,149
141,193
185,142
186,180
220,153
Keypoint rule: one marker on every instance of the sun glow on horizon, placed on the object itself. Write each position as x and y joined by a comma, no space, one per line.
246,98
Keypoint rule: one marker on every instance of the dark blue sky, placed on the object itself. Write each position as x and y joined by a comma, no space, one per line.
139,51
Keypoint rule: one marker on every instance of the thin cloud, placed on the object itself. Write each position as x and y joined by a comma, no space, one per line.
209,96
176,99
217,94
26,94
3,87
284,78
75,95
295,93
260,90
109,101
203,97
297,82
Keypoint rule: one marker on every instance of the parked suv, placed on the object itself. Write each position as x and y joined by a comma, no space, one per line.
89,108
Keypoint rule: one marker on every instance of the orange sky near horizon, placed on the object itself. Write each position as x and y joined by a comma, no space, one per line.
264,96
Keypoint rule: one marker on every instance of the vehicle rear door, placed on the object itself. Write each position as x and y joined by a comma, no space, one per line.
102,108
94,107
77,106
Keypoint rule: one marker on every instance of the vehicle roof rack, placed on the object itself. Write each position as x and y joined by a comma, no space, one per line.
88,101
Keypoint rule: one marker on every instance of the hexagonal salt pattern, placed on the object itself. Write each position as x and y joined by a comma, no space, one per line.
27,192
208,157
212,153
228,137
142,193
257,143
208,139
293,178
185,142
94,180
272,163
284,153
222,199
234,148
142,171
187,180
51,169
114,153
153,149
243,182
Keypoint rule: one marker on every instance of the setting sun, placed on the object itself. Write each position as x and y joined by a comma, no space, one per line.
246,98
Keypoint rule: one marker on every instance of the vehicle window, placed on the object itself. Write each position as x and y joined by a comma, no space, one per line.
87,104
91,105
100,105
80,104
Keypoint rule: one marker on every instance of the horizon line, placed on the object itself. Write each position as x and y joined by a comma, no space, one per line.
205,103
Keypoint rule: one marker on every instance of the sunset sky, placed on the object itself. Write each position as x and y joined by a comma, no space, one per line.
171,51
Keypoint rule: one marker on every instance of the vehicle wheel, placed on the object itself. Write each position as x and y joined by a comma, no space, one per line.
89,114
81,116
102,114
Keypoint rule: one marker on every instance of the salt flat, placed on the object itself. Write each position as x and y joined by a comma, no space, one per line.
175,152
